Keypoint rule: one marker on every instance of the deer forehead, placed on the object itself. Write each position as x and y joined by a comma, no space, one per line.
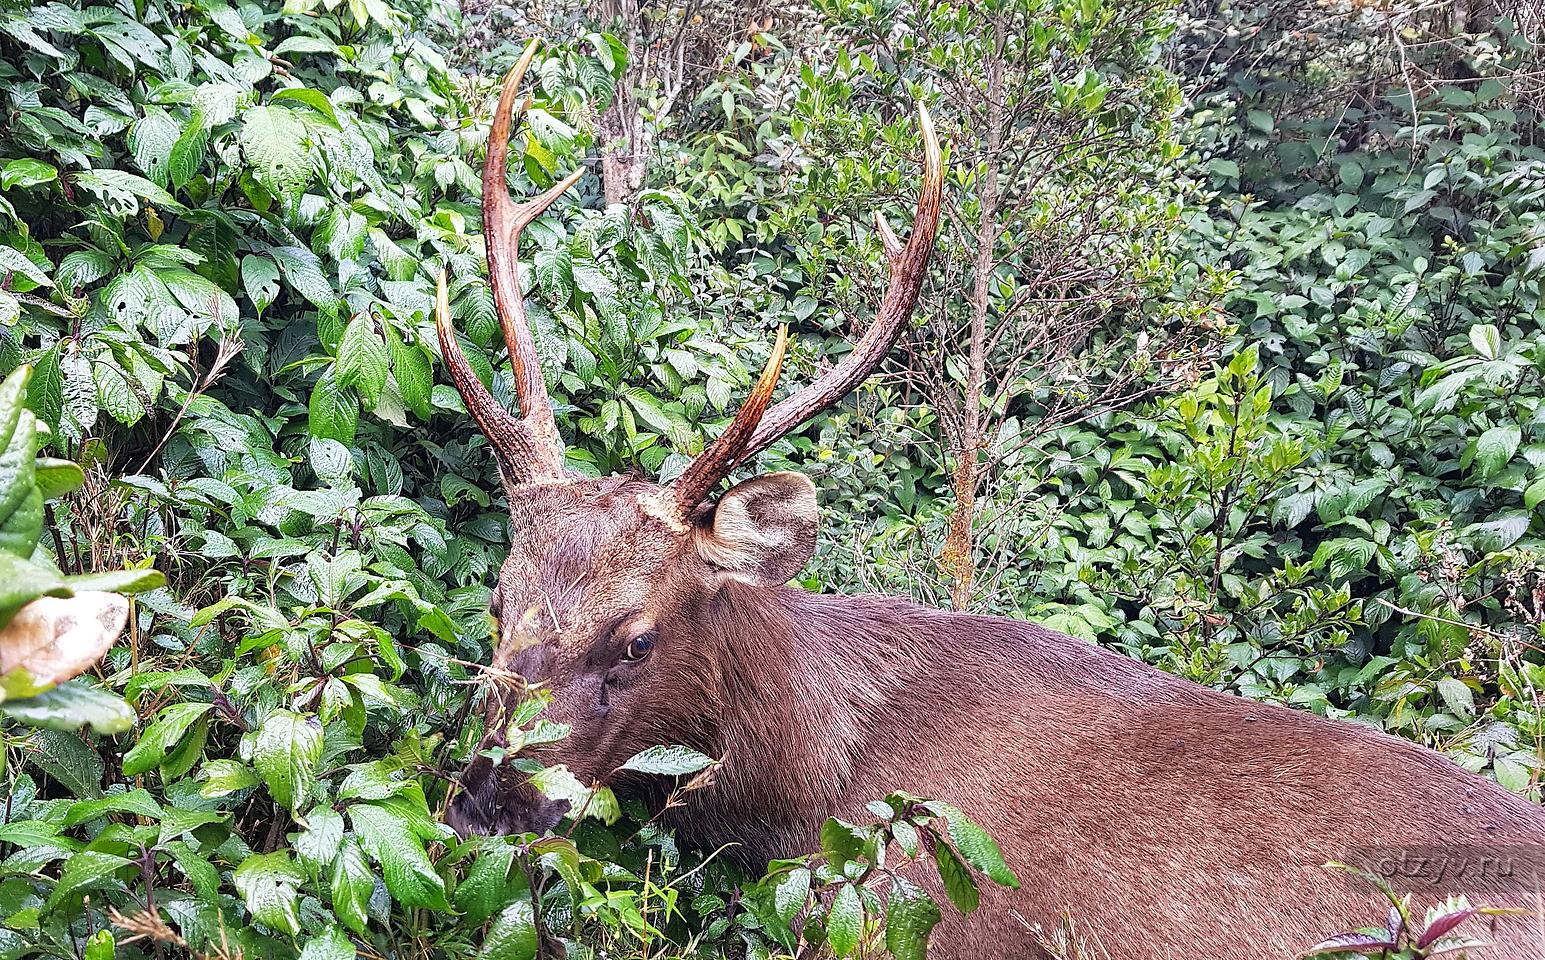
576,566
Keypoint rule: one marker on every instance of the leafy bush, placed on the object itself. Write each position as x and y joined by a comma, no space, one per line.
220,228
52,627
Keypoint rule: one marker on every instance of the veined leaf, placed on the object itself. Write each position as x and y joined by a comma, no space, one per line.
362,359
845,921
285,752
161,736
269,883
274,141
408,872
910,916
671,761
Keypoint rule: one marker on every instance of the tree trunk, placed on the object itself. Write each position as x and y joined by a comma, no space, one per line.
960,544
620,126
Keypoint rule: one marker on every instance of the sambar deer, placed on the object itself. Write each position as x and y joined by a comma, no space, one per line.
1174,821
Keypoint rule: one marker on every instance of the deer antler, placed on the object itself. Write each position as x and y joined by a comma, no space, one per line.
528,448
721,456
751,431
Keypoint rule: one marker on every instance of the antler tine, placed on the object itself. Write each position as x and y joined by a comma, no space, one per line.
503,221
888,239
721,456
908,269
515,446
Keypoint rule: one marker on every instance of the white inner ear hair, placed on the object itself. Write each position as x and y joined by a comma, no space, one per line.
736,542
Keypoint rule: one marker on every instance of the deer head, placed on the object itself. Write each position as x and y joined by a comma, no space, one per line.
606,582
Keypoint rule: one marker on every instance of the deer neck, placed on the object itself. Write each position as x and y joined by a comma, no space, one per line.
804,681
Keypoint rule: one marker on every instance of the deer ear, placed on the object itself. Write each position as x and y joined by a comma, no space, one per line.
763,529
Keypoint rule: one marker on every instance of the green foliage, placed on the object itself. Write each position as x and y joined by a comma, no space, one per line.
39,652
221,231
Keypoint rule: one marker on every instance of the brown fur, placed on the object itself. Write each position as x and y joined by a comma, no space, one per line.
1170,820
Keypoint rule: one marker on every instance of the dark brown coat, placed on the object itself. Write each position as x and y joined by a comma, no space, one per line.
1166,818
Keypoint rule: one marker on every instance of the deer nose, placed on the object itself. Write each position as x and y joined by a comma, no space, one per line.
493,805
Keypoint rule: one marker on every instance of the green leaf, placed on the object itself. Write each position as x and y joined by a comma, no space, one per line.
115,395
414,375
958,882
406,868
118,581
513,934
55,478
274,141
977,847
202,875
161,736
1496,447
269,883
1498,534
840,842
671,761
177,823
286,752
1458,697
334,413
318,843
1486,340
83,871
151,140
314,99
120,191
224,776
188,152
260,278
1534,493
559,783
555,274
14,261
331,944
45,396
21,503
70,760
910,916
71,706
790,893
1223,167
845,921
137,801
100,946
351,886
491,884
26,172
180,759
302,269
362,359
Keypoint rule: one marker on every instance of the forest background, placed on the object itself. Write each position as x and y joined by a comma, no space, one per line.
1232,359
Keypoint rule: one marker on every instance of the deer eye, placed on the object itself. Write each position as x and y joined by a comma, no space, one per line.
640,647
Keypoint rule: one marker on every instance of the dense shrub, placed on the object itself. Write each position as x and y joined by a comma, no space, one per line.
221,231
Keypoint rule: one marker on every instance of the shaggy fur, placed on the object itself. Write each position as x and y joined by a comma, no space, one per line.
1168,819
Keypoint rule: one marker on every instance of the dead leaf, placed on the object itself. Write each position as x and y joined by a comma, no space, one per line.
56,638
